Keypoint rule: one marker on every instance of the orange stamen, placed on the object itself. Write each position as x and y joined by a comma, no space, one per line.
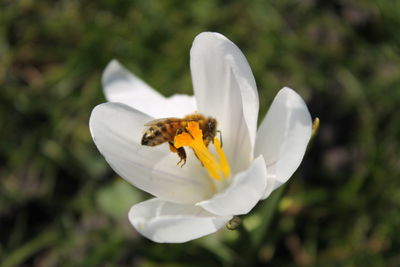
194,138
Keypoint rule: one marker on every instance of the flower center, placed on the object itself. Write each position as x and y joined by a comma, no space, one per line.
194,138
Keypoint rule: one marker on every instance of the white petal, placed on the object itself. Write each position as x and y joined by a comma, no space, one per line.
179,105
117,130
284,134
167,222
120,85
242,195
224,87
272,184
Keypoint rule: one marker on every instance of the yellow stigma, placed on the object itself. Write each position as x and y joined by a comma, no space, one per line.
194,138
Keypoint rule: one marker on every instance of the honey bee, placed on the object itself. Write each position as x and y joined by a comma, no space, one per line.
165,130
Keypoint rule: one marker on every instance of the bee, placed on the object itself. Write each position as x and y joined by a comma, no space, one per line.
165,130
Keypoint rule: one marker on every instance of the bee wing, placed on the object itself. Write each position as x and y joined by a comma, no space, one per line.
162,120
171,120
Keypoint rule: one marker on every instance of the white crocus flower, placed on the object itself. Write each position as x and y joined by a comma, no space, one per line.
189,203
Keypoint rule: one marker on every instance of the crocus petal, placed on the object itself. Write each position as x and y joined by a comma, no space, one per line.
117,130
167,222
283,135
246,189
119,85
272,184
224,88
179,105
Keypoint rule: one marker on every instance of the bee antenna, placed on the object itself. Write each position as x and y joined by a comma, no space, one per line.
220,137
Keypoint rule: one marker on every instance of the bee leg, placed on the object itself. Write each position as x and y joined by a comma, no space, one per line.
182,156
172,148
181,153
181,130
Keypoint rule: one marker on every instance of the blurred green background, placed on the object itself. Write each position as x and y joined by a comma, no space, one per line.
62,205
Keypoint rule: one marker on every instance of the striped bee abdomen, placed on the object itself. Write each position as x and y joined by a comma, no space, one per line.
160,133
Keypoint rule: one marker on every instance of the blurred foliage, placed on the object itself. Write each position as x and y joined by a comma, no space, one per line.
62,205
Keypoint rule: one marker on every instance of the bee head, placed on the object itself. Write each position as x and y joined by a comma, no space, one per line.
212,125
